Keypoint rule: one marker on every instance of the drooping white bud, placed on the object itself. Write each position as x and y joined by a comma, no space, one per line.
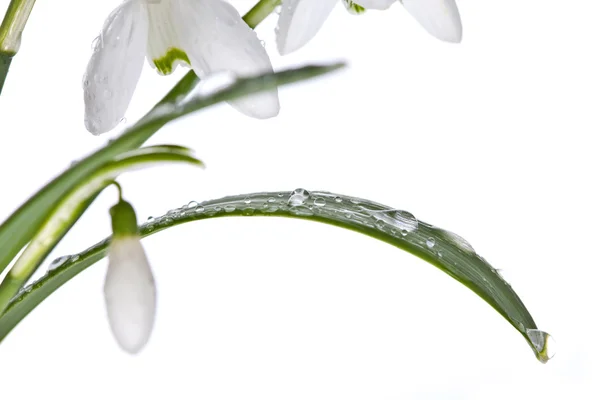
129,289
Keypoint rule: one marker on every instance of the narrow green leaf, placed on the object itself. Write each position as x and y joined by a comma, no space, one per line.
72,205
19,228
443,249
5,60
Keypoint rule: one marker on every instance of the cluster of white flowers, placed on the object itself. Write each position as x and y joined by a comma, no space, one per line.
210,36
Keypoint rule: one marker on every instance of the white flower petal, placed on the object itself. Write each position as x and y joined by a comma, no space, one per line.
375,4
165,52
299,22
439,17
216,39
129,293
115,67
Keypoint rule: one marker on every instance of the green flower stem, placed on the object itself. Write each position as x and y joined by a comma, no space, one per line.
11,29
260,11
13,25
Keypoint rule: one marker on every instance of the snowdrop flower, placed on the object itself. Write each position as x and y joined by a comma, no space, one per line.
208,35
300,20
129,289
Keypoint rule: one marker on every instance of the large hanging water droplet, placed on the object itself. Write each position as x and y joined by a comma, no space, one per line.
542,344
298,197
60,261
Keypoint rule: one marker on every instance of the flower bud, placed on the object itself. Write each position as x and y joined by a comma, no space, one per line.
129,289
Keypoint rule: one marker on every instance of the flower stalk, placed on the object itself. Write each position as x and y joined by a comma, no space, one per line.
260,11
11,30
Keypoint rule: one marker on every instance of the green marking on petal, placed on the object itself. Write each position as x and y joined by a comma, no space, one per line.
354,8
167,63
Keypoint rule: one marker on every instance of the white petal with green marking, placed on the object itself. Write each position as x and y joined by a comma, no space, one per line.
164,49
375,4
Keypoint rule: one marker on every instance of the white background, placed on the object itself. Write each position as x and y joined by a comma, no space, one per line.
494,139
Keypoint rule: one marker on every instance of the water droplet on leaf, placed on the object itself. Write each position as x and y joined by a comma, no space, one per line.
298,197
59,262
320,202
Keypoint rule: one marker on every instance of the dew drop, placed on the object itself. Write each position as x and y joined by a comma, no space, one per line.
430,242
247,200
298,197
229,208
338,199
380,224
59,262
460,242
192,204
320,202
96,43
402,220
543,344
248,211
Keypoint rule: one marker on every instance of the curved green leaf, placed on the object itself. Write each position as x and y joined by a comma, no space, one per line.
20,227
443,249
72,205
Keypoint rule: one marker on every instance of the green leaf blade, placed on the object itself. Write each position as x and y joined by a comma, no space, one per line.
445,250
20,227
74,203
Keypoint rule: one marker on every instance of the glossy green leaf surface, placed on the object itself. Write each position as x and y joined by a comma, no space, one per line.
443,249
